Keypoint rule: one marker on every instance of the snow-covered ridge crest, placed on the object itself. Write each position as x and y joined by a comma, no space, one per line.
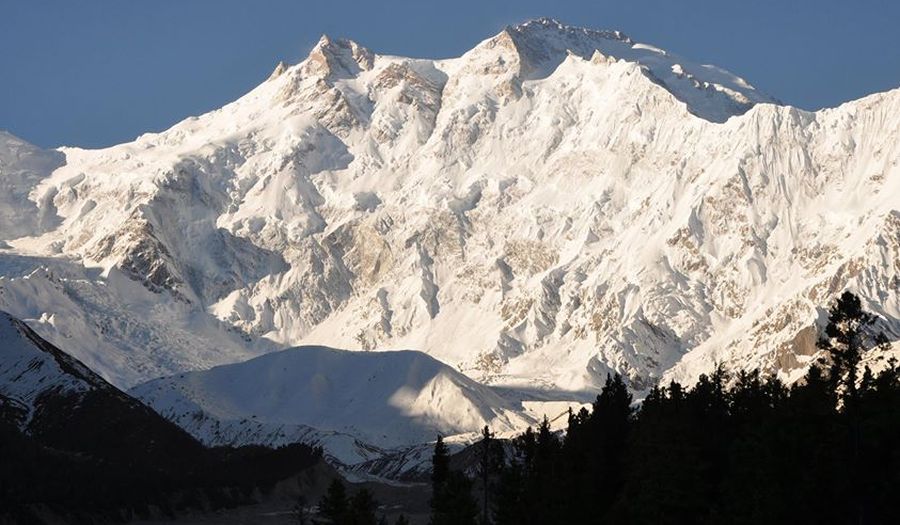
385,400
709,92
338,58
31,369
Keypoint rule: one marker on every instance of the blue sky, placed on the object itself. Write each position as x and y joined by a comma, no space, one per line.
99,72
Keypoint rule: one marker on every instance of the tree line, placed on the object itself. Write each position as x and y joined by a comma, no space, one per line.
731,449
340,508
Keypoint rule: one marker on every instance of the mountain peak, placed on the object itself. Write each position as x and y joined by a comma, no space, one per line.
534,49
576,219
338,58
546,27
280,68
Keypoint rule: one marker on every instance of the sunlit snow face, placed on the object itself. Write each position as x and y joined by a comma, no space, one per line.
553,205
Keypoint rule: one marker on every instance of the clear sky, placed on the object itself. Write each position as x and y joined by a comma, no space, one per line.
97,72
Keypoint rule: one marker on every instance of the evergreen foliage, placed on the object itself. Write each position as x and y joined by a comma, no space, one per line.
337,508
741,449
490,459
362,508
334,505
452,502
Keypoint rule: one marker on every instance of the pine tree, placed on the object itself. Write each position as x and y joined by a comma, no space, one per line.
545,475
610,424
484,470
664,476
848,334
440,464
490,458
362,508
880,409
334,505
526,445
451,499
510,500
753,489
440,474
461,508
821,451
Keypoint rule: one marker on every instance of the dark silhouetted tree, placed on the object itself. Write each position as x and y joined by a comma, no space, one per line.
742,449
848,334
610,425
456,505
490,458
334,505
440,464
362,508
451,499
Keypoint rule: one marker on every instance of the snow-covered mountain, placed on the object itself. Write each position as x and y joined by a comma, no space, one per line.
33,372
357,405
52,399
555,204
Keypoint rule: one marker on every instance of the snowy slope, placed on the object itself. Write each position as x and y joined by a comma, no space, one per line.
384,400
58,402
555,204
23,166
60,418
32,371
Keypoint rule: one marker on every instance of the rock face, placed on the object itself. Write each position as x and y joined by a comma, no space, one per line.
553,205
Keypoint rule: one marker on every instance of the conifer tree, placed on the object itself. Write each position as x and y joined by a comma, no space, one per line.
451,499
456,506
545,474
334,505
849,333
746,451
440,464
440,474
489,460
362,508
610,425
510,500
